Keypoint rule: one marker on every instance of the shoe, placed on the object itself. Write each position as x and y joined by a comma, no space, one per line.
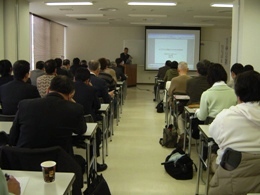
154,100
101,167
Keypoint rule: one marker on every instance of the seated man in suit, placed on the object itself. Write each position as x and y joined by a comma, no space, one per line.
14,91
85,95
49,121
39,71
98,83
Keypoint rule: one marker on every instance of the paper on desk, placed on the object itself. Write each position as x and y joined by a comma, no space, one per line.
23,183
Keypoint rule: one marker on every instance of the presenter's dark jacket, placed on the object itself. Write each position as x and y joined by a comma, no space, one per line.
46,122
13,92
87,97
195,87
101,88
124,57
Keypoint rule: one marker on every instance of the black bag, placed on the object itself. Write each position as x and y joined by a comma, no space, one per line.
179,165
195,132
97,185
159,107
170,137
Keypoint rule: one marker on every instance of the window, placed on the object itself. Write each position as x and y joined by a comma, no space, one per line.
47,40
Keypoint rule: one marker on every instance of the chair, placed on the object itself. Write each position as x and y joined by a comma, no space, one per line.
14,158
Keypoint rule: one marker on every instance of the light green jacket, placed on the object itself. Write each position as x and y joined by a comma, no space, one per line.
215,99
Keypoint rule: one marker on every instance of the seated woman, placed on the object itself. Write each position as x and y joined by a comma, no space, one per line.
218,97
238,128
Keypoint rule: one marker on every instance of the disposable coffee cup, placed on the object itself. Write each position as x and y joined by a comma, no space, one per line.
48,170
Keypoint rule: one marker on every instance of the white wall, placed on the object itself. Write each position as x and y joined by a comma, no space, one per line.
15,30
95,42
246,37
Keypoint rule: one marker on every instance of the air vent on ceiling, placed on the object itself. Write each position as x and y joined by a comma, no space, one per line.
66,9
108,9
81,19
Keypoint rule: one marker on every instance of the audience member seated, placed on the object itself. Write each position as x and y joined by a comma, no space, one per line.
50,121
172,72
39,71
248,67
75,65
59,70
218,97
110,70
83,63
66,66
236,131
9,185
178,86
197,85
14,91
160,75
43,82
236,69
5,72
98,83
119,69
105,75
85,95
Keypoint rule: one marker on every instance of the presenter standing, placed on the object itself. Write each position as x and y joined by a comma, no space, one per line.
126,57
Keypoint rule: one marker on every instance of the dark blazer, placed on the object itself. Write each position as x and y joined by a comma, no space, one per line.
101,88
13,92
124,57
110,82
6,79
162,71
61,71
195,87
120,73
87,97
46,122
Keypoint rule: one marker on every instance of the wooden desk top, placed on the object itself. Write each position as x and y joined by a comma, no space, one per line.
190,110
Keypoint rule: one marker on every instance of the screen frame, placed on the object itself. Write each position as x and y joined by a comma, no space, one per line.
169,28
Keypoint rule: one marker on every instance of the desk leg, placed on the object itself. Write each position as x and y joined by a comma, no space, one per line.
200,165
208,167
106,132
103,137
185,131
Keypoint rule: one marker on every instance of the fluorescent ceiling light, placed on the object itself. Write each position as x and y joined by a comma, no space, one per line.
68,3
84,15
221,5
145,23
213,17
153,3
147,15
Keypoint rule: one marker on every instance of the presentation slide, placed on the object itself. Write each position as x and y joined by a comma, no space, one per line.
172,44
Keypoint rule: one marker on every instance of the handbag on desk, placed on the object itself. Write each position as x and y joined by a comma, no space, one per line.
97,185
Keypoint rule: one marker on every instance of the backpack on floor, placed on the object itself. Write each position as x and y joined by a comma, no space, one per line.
159,107
179,165
170,136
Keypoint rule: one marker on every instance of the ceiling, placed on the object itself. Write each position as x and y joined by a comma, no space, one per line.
117,13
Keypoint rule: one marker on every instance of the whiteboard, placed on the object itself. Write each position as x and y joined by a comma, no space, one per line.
136,50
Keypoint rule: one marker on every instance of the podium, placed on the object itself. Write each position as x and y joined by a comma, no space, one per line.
131,72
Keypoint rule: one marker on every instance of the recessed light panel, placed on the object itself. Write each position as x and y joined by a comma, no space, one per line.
153,3
221,5
68,3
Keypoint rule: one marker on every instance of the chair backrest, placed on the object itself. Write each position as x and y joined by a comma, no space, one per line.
14,158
